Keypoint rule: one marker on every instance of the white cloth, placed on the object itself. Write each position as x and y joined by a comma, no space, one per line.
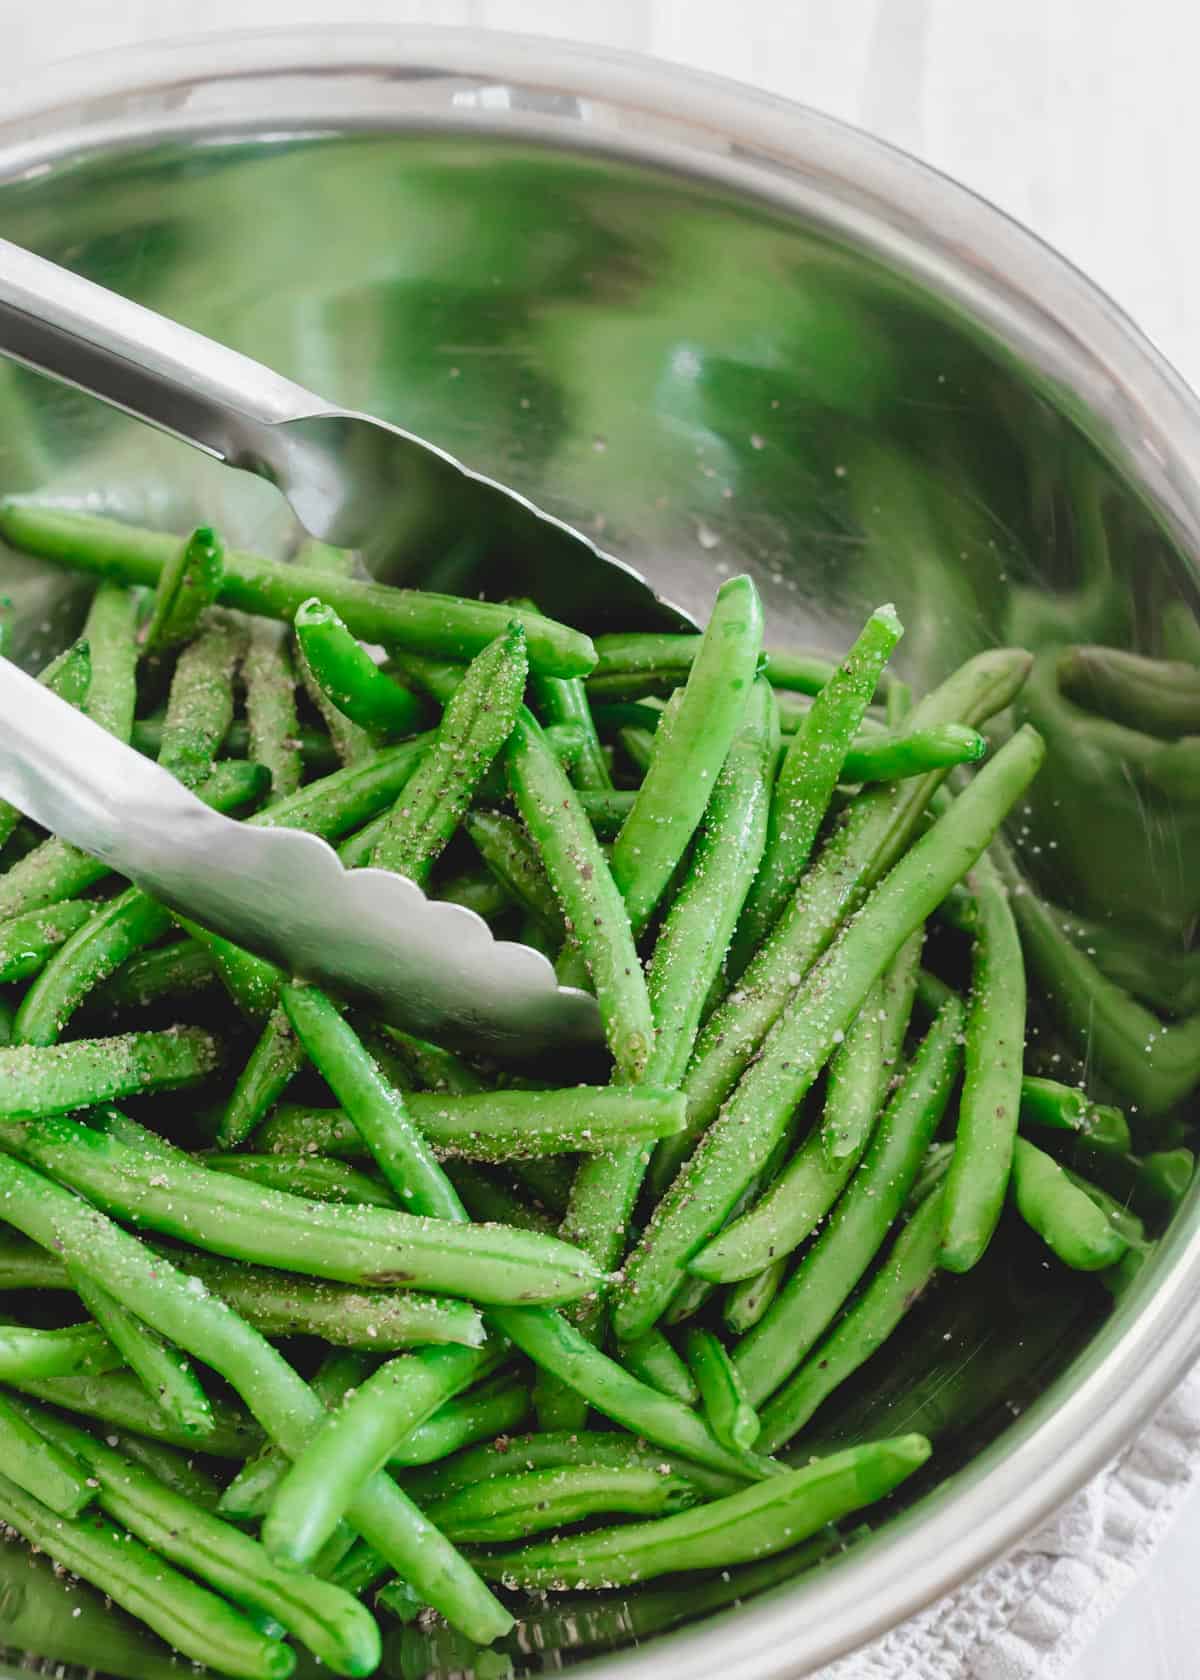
1030,1615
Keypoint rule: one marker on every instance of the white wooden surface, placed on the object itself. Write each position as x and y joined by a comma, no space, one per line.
1079,117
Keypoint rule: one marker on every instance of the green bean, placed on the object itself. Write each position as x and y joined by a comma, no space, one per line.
474,727
510,855
730,1415
737,1145
248,1496
747,1301
807,777
376,1107
512,1507
1161,697
431,1066
444,626
898,753
355,1442
1163,1179
350,678
246,1221
160,1368
439,678
480,1415
316,752
56,870
679,783
875,832
290,1412
992,1094
653,1360
37,1080
169,971
69,675
97,948
860,1220
28,942
560,1349
360,1570
638,747
751,1524
866,1324
632,664
476,890
1064,1216
187,585
273,727
54,1353
196,1622
606,812
118,1398
695,935
200,701
1048,1102
110,633
486,1201
305,1175
39,1467
564,701
1122,1219
339,1632
1145,1061
547,1179
584,886
276,1058
174,1468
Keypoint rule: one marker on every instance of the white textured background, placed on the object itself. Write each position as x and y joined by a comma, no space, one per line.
1079,117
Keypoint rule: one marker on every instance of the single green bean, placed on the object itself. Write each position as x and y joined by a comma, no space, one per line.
307,1175
1163,1180
653,1360
187,585
692,944
445,626
632,664
730,1415
747,1301
564,701
169,971
1123,1220
1063,1215
160,1368
560,1349
119,1399
586,891
376,1107
276,1058
752,1524
861,1219
28,942
487,1200
39,1467
875,831
679,783
513,1507
903,752
200,701
992,1094
1048,1102
251,982
37,1080
97,948
638,747
246,1221
111,635
492,1409
512,858
432,1067
807,777
56,870
198,1623
1144,1061
737,1145
339,1632
54,1353
350,678
273,727
1161,697
355,1442
178,1470
204,1326
606,812
474,727
897,1284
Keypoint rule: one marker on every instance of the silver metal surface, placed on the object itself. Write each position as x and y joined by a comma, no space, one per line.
713,331
432,967
351,480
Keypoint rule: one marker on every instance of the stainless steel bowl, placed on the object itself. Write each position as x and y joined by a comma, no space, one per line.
729,333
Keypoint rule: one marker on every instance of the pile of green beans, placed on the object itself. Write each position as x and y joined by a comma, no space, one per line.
344,1265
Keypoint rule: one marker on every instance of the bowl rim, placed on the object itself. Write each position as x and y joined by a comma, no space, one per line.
1070,337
